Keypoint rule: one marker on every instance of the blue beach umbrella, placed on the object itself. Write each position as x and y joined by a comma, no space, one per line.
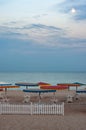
39,91
4,84
26,84
78,83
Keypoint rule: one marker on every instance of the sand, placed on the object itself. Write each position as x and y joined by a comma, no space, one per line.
73,119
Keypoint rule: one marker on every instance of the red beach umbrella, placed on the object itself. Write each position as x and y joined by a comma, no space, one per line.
55,87
70,85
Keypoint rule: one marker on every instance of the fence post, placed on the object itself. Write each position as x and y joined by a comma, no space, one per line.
31,106
0,108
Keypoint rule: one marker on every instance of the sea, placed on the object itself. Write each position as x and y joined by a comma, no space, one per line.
49,77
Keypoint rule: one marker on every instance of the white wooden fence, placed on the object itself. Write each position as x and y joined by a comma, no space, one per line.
6,108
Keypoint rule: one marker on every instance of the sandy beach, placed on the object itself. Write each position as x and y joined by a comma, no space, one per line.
74,117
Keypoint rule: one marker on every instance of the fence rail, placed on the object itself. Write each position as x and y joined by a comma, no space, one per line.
32,109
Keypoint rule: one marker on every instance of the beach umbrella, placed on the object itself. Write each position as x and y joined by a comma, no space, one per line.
4,83
8,86
69,85
81,91
26,84
43,83
38,91
79,83
54,87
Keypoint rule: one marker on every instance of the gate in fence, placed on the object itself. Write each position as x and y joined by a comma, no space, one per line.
32,108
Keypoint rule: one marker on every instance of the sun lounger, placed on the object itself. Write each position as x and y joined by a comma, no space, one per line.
26,99
69,99
76,97
1,95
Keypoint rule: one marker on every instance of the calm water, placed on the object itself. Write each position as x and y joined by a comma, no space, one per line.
52,78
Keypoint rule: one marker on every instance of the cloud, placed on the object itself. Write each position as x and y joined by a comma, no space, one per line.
41,35
40,16
33,31
67,5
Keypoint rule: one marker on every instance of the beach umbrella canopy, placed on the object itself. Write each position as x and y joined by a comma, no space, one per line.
79,83
43,83
38,90
4,84
8,86
81,91
70,85
55,87
26,84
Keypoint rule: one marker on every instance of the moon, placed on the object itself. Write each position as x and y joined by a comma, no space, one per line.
73,10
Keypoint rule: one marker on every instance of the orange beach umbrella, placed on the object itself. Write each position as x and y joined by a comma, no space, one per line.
9,86
43,83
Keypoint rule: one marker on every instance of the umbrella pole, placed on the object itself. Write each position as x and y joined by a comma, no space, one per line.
26,87
68,88
54,95
39,96
5,91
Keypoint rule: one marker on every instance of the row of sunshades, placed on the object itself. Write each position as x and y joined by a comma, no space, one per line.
43,85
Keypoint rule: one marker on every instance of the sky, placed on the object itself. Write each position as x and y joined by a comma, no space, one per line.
42,35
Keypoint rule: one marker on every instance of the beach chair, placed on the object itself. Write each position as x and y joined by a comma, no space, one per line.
69,99
1,95
54,100
26,99
76,97
3,98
